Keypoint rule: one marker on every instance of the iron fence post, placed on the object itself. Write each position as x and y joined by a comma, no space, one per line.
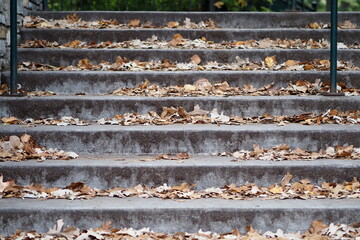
333,51
45,4
13,47
211,6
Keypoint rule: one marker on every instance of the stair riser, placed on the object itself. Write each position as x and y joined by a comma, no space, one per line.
106,82
66,35
94,108
65,57
224,19
199,139
175,220
105,176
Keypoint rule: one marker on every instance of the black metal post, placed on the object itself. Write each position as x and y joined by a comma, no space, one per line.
333,50
13,47
211,6
45,4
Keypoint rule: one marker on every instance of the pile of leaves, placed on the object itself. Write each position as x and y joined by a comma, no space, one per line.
284,152
4,90
72,21
285,190
124,64
63,121
14,148
179,42
345,25
317,231
179,115
203,87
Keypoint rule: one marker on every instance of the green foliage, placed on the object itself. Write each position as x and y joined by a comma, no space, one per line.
344,5
185,5
127,5
245,5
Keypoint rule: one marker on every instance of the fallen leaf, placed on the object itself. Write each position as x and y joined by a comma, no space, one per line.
173,24
270,62
196,59
134,23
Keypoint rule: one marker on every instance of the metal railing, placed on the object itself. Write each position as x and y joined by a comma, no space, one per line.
13,47
333,49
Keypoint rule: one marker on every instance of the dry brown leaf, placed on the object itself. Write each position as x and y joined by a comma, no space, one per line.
134,23
3,185
196,59
286,179
10,120
314,25
173,24
178,37
270,62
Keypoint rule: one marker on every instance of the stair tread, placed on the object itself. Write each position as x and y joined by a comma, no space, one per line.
185,127
135,203
127,161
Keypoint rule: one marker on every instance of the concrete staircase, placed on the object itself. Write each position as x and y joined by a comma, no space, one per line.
100,146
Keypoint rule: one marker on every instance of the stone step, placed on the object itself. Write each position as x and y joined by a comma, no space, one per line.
62,82
221,19
108,172
90,107
170,216
65,57
347,36
194,139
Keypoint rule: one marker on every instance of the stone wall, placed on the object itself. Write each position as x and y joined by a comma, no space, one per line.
23,6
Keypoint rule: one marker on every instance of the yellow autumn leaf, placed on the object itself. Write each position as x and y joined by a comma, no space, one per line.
276,190
270,62
219,4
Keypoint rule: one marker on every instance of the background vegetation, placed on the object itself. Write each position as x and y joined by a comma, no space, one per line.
195,5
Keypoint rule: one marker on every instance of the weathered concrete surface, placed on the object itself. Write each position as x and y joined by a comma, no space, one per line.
222,19
172,216
201,139
90,82
65,57
205,172
95,107
347,36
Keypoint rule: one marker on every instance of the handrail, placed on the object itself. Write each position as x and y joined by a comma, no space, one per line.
13,47
333,51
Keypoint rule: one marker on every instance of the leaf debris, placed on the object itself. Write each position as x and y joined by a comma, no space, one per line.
124,64
317,230
302,189
181,43
345,25
179,115
72,21
14,148
203,87
284,152
4,90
